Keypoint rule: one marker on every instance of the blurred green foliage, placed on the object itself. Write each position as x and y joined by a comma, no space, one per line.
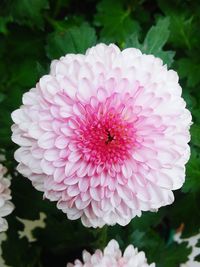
33,32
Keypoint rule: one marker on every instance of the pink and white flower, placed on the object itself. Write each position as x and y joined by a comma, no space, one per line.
105,134
112,256
6,206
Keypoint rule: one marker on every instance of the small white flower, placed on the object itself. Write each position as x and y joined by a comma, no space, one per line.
6,206
113,257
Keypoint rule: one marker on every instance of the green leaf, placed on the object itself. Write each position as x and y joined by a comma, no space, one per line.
166,56
154,41
2,97
189,68
174,255
198,244
192,102
64,240
28,201
195,132
41,69
157,36
137,238
72,40
186,210
184,23
158,251
116,22
147,220
197,258
24,254
3,24
182,30
192,182
25,73
151,242
29,12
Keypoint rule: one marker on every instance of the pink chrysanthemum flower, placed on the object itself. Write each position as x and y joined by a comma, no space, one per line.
112,257
105,135
6,206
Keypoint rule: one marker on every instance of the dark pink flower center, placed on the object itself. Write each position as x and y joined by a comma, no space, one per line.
105,135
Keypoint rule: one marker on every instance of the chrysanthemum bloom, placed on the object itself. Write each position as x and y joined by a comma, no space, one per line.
6,207
104,134
112,256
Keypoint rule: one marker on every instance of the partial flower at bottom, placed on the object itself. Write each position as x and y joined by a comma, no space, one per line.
113,257
105,134
6,206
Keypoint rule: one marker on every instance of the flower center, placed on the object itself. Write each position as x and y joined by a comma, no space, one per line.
110,138
105,135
